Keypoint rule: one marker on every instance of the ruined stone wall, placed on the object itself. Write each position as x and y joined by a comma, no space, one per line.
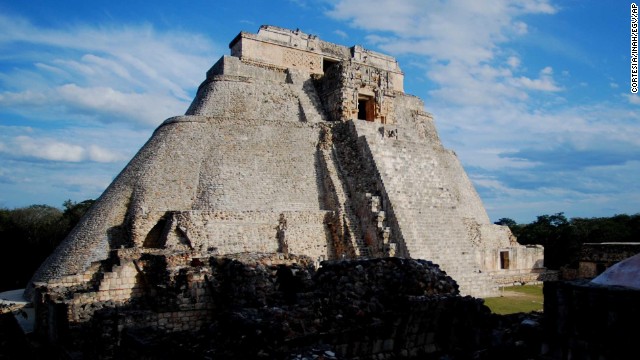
589,321
331,91
233,67
381,232
418,124
138,289
596,258
520,257
284,48
248,166
266,52
270,304
524,264
244,166
394,78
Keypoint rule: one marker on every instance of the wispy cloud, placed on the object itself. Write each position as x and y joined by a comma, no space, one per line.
25,147
632,98
124,73
104,104
544,83
101,145
341,34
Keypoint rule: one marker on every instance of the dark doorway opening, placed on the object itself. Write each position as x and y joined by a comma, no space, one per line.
154,238
366,108
327,63
504,259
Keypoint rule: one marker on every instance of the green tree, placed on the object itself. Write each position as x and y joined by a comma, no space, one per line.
563,238
29,234
556,234
506,222
513,226
74,211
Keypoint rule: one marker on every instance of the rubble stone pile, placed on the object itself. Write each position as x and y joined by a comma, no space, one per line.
385,307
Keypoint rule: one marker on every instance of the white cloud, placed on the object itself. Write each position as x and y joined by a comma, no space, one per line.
633,99
121,73
443,30
513,62
544,83
47,150
341,33
98,154
104,104
27,147
520,27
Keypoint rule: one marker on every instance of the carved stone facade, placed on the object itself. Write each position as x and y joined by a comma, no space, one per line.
298,146
357,83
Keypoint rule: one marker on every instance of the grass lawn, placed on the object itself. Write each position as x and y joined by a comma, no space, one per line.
516,299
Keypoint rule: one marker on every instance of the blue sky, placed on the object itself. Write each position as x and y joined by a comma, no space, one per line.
533,96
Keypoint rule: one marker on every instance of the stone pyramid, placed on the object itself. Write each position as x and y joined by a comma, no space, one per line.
298,146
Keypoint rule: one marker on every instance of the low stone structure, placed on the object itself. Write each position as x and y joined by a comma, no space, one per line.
584,320
595,258
595,319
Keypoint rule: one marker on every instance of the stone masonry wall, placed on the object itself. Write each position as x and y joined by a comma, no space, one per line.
228,232
245,98
425,199
270,304
347,82
244,167
274,175
590,321
596,258
103,227
377,233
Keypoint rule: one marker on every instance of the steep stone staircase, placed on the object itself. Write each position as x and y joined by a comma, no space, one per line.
309,101
426,207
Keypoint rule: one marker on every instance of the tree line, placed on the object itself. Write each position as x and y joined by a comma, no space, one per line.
562,237
29,234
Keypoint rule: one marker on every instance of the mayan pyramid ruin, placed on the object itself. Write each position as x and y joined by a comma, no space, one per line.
293,145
